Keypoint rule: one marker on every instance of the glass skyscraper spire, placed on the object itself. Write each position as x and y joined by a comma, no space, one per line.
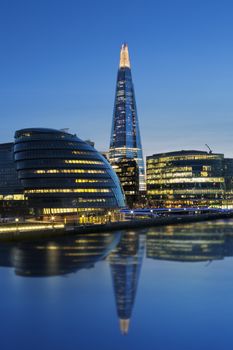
125,136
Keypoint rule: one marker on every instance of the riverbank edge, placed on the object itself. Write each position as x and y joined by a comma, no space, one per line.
114,226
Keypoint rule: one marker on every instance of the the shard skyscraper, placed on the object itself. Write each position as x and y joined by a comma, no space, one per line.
125,136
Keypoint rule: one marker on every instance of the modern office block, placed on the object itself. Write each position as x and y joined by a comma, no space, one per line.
11,191
128,173
9,182
185,178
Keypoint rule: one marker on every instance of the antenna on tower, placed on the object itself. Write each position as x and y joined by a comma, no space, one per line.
210,150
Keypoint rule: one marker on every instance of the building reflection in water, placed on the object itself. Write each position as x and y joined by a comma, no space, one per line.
57,257
125,263
191,243
124,252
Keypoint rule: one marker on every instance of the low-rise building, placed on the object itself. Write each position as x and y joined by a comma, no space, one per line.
189,178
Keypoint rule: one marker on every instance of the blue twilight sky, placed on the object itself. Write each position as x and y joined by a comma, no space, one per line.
59,60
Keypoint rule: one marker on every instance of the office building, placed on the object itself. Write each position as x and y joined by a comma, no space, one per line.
228,174
186,178
11,191
128,174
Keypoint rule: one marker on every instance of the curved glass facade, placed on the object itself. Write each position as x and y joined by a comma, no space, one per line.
58,170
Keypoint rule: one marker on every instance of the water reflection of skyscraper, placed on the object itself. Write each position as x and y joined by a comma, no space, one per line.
125,263
124,253
57,257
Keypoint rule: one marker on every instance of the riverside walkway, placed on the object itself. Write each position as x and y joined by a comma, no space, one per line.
17,232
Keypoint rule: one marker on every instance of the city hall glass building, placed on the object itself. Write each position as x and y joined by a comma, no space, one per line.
189,178
125,136
60,173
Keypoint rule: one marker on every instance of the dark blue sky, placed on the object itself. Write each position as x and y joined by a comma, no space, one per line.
59,61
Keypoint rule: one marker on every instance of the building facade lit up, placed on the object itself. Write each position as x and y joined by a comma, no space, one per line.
62,174
125,135
189,178
11,191
128,174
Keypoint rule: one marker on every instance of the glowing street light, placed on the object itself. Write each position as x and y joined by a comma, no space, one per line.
53,218
17,223
131,212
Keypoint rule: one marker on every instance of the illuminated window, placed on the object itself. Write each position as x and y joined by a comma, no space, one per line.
79,161
68,190
69,171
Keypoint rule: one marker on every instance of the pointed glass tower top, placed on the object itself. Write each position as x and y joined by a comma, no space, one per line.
124,56
125,135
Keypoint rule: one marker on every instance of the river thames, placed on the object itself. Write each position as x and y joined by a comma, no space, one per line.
163,288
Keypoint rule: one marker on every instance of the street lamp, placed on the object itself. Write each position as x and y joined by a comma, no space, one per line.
17,223
109,216
53,218
77,217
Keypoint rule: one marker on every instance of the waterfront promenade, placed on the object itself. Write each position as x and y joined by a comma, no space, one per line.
17,232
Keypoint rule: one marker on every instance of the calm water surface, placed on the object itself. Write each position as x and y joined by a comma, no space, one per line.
160,288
